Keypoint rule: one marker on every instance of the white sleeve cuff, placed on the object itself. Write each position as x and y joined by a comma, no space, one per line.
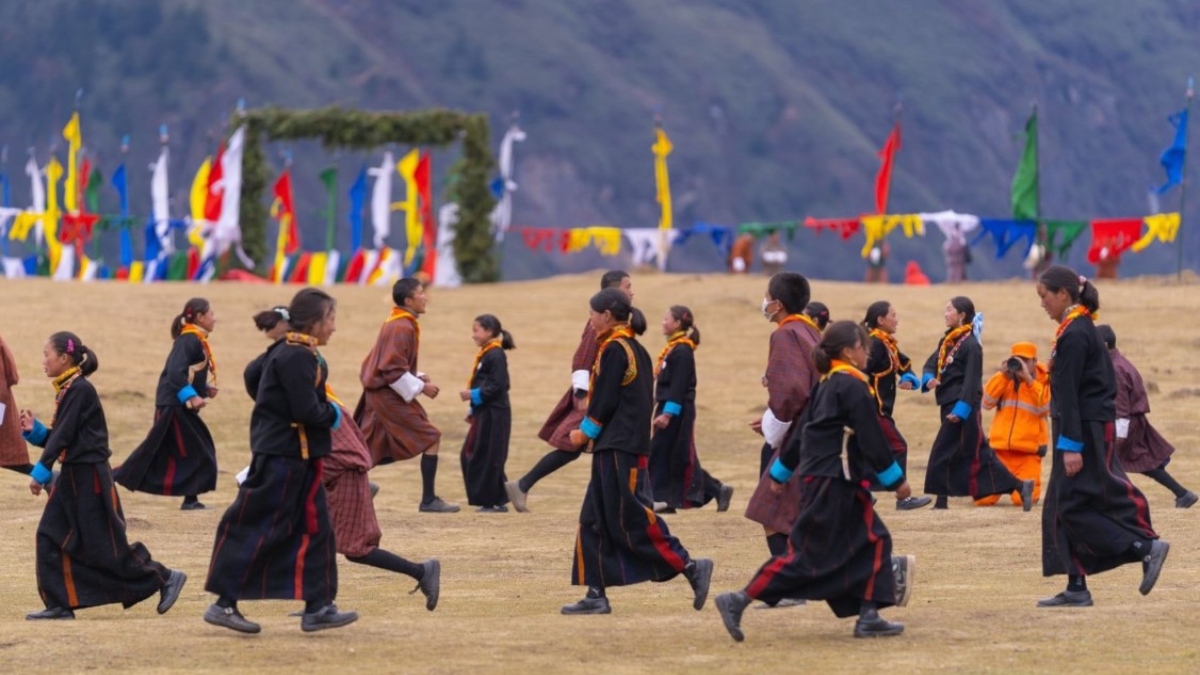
773,429
581,379
408,386
1123,428
242,475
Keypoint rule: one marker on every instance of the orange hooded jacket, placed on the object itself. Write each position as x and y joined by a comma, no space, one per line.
1021,412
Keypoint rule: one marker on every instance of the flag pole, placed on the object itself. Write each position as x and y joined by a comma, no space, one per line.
1183,188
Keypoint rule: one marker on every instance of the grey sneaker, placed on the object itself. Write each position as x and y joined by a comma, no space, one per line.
1027,495
700,580
327,617
904,568
229,617
170,590
431,583
588,606
724,496
438,505
516,495
731,606
1152,565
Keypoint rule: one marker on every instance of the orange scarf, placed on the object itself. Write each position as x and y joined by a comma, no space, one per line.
400,313
61,384
487,347
950,344
840,366
676,338
333,397
893,350
798,317
202,335
617,332
1072,314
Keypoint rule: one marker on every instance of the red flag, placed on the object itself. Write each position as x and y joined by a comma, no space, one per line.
883,179
283,197
216,189
425,192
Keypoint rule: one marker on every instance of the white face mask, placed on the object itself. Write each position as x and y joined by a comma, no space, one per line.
766,312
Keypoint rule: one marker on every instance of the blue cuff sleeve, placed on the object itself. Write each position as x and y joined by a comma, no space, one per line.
1067,445
890,476
779,472
476,399
37,435
337,420
41,474
961,410
926,378
672,408
912,379
186,394
591,428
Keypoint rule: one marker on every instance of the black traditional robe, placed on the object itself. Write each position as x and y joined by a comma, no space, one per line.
676,476
485,449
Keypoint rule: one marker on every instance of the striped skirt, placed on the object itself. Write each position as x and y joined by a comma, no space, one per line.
275,541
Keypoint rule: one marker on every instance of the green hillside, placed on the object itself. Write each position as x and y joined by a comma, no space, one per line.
776,109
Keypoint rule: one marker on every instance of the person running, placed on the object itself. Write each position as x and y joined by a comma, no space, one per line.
1093,518
620,541
839,550
84,558
1139,445
568,412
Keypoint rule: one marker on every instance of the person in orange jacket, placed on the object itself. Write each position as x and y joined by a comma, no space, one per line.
1020,394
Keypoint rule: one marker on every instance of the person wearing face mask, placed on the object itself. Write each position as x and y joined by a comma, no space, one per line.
789,379
179,456
961,463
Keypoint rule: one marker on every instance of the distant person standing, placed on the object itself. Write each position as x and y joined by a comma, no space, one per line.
394,423
179,456
957,255
1139,445
741,255
567,414
1093,518
877,263
774,254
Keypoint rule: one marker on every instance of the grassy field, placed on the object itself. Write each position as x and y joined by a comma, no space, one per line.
505,575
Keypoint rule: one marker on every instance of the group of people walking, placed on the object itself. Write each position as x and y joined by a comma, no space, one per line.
830,441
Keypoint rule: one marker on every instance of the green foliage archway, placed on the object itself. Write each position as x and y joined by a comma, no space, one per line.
358,130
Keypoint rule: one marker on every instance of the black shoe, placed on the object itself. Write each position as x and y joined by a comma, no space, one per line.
1152,565
374,489
170,590
724,496
700,580
782,603
1068,599
438,505
910,503
229,617
1027,495
876,626
431,583
588,606
500,508
192,506
1186,500
51,613
904,568
731,606
516,496
327,617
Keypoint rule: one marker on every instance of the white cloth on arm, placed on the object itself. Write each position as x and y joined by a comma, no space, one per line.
242,475
1123,427
580,379
774,429
408,386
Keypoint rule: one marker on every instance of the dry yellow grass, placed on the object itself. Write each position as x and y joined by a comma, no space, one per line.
505,576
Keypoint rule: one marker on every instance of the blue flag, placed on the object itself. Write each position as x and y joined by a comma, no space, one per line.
358,199
1172,158
122,187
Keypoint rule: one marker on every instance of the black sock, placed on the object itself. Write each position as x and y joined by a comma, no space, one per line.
866,609
594,592
313,606
552,461
1076,583
777,544
942,502
1140,549
1163,478
429,464
387,560
764,461
225,603
21,468
190,499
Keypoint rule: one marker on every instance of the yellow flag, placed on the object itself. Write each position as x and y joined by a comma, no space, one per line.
199,196
407,166
22,224
54,172
74,139
1161,226
662,182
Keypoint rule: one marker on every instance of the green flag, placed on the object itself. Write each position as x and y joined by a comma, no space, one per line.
329,178
1025,182
91,191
